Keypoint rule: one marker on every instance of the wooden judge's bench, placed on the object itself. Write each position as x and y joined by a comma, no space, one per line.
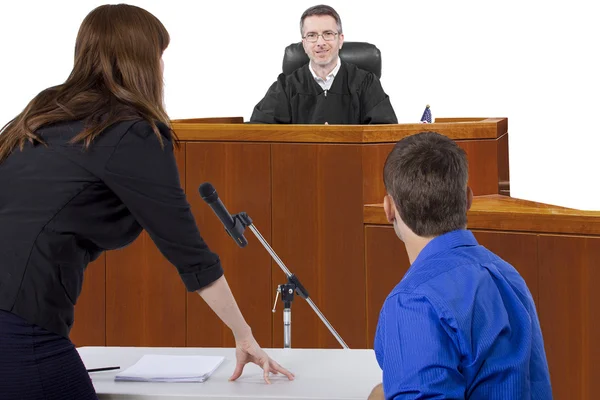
314,192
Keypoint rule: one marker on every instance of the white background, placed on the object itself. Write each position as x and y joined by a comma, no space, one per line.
534,62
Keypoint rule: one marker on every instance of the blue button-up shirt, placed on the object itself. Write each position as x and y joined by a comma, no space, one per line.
461,325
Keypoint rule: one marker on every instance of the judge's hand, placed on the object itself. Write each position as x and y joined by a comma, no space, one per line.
326,123
377,393
247,350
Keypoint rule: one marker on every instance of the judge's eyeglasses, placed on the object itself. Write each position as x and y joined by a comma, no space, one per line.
313,37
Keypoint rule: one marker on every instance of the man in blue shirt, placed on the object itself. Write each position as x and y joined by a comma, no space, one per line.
462,323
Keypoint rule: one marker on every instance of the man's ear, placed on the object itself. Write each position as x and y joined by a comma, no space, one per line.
389,208
469,198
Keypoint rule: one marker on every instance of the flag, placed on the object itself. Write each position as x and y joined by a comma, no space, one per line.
426,118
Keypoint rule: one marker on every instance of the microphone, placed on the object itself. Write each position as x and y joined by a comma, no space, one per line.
233,226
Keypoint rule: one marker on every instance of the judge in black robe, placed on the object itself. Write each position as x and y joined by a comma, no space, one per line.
355,97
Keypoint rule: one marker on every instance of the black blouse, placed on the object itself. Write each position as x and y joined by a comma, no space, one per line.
62,205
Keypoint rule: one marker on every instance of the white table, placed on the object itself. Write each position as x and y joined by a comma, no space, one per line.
321,374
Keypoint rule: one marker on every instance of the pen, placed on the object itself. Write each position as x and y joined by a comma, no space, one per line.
102,369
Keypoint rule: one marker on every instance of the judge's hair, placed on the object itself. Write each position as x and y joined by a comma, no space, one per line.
116,76
426,176
319,10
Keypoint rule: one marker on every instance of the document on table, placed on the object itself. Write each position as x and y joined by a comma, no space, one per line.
165,368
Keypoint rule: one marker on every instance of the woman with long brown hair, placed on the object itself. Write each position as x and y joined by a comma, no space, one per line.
84,168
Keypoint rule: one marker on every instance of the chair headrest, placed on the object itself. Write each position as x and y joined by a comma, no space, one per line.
364,55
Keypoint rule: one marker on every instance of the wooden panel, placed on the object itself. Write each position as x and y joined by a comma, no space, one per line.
519,250
458,119
318,233
374,157
386,262
505,213
503,166
241,175
569,313
484,171
501,124
483,165
145,298
89,328
484,128
501,213
215,120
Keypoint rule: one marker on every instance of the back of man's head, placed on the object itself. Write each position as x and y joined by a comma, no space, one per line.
321,10
426,175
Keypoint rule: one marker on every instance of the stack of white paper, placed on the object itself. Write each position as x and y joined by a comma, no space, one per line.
164,368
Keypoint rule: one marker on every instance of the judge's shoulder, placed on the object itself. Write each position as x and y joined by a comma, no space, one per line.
358,75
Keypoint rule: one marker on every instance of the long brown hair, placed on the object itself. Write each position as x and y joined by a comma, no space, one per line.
117,75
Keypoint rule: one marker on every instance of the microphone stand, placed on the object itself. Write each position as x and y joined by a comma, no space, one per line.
287,290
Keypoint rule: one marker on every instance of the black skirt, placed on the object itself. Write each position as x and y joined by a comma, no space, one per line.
39,365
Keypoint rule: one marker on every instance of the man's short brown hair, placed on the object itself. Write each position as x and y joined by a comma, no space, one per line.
426,175
321,10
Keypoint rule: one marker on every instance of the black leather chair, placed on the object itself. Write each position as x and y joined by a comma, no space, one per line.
364,55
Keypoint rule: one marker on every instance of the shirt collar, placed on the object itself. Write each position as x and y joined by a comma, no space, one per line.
447,241
331,75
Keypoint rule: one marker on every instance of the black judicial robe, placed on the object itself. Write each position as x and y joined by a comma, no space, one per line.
356,97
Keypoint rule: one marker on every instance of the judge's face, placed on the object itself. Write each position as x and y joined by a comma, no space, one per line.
322,53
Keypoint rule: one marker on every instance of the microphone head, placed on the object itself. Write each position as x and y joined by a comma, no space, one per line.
208,192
